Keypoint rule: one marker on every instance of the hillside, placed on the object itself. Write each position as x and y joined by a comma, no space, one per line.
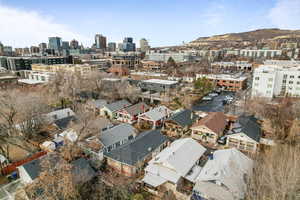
256,35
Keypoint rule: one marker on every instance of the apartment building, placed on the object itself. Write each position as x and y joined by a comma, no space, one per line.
272,80
77,68
238,65
229,82
260,53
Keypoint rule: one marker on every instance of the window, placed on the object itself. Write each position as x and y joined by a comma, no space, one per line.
268,92
291,76
298,83
270,79
285,76
269,86
284,81
291,82
256,78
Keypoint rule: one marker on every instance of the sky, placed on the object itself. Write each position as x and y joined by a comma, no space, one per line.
161,22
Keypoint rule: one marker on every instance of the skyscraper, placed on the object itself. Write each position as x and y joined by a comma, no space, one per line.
1,49
111,46
100,41
144,46
34,50
128,44
43,47
65,45
74,44
55,43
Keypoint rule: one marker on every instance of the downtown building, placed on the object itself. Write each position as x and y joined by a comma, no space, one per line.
100,41
277,79
24,63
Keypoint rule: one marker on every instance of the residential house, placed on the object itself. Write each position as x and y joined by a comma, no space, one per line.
110,110
245,134
100,124
130,114
130,158
175,167
61,118
116,136
96,105
179,123
156,116
223,177
210,128
81,171
109,139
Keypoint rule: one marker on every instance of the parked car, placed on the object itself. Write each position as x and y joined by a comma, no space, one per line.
206,98
213,94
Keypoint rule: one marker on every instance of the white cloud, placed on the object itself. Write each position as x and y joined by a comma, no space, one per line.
286,14
21,28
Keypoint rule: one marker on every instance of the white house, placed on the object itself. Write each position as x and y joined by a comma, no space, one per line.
174,165
223,177
110,110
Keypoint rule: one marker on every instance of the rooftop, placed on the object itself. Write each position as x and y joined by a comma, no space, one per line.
159,81
138,148
117,133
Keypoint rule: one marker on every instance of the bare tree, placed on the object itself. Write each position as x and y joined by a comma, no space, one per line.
20,119
276,174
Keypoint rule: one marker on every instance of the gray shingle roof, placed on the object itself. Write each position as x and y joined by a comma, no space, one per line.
137,108
249,126
136,150
183,118
99,103
118,105
116,134
81,171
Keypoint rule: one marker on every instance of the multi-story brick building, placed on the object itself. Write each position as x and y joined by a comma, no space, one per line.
234,82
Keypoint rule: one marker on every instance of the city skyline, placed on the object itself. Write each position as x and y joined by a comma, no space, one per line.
32,22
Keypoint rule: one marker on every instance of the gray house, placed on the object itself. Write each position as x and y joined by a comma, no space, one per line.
110,110
130,158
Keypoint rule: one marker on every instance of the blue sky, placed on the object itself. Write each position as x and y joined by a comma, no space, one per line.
162,22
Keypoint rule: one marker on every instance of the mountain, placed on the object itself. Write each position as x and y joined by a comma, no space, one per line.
256,35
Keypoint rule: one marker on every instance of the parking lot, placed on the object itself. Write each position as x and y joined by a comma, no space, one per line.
214,105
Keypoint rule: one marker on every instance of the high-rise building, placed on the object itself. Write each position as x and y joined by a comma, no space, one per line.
111,46
65,45
100,41
7,50
277,78
26,51
55,43
1,49
128,44
144,46
43,47
34,50
18,51
74,44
